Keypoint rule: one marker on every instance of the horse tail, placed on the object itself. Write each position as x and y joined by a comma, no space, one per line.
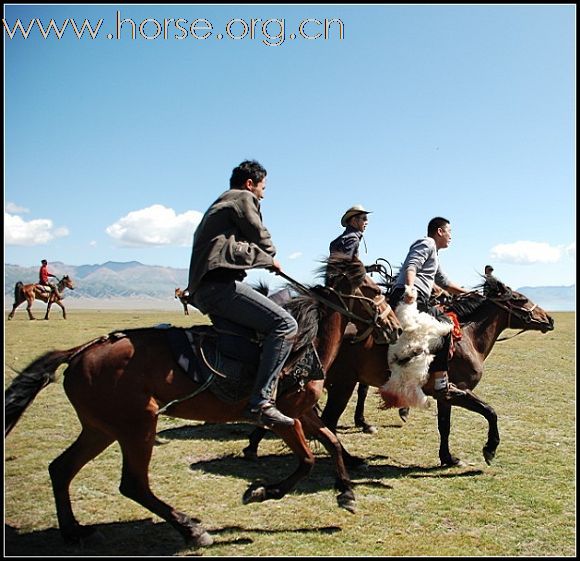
35,377
17,290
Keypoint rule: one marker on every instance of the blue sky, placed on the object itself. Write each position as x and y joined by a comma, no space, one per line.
114,147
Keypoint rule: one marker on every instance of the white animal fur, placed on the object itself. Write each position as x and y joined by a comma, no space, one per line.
410,357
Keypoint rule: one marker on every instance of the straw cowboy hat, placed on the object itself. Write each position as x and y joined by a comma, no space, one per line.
353,211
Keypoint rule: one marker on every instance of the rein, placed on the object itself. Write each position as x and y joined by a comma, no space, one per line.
344,309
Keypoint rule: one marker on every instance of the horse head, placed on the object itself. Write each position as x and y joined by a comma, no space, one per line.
65,282
523,313
362,297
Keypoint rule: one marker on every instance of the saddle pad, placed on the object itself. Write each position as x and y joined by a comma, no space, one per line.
194,349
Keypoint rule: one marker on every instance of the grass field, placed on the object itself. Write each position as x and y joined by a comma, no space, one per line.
522,505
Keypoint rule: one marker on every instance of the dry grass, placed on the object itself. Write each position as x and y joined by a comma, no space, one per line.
522,505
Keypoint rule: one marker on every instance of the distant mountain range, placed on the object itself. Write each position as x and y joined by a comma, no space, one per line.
133,280
109,280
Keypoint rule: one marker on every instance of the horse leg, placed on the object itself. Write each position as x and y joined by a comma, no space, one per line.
29,308
251,450
467,400
338,397
61,307
89,444
14,306
444,426
314,426
359,414
48,306
137,447
294,438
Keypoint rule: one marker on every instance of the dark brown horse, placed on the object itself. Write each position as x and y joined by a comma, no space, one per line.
118,384
182,295
30,292
483,319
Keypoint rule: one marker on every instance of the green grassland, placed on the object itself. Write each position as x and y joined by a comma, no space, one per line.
522,505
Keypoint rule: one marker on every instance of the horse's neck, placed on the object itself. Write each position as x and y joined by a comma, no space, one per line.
330,338
484,333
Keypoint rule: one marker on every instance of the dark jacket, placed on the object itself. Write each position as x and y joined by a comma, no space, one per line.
347,243
231,236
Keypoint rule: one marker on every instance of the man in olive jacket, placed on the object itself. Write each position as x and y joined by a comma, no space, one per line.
230,239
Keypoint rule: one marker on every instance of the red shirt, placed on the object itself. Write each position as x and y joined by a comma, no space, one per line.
43,274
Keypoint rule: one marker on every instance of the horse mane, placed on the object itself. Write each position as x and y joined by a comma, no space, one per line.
465,306
338,266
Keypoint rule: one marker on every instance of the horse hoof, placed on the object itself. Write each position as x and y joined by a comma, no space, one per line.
347,503
370,429
488,456
453,462
404,414
203,540
255,494
250,454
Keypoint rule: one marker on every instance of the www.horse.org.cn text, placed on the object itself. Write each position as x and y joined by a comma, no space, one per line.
271,32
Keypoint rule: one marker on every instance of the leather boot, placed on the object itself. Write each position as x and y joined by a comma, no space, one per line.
267,415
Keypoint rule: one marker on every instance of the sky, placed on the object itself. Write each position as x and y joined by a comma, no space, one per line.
116,143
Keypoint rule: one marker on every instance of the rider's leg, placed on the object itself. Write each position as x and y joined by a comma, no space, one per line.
239,302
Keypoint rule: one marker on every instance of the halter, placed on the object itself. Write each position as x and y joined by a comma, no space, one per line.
521,313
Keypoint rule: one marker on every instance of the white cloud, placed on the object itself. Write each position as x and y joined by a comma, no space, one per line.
34,232
571,250
93,243
526,253
15,209
295,255
155,226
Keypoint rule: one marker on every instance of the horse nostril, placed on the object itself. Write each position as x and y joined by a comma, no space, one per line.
400,331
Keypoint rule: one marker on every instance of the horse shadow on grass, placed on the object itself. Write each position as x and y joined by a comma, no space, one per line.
206,431
230,431
271,468
137,538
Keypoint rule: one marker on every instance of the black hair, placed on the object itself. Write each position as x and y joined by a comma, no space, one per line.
435,224
248,169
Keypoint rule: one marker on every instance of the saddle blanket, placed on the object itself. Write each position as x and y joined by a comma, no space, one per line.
231,360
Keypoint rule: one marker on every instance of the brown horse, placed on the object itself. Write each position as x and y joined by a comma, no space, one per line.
182,295
483,318
30,292
118,384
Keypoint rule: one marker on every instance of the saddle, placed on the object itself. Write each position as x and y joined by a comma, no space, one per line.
43,288
225,357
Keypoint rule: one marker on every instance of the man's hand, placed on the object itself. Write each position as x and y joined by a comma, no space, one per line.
276,267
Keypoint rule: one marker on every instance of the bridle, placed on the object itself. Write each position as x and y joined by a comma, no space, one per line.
525,315
377,319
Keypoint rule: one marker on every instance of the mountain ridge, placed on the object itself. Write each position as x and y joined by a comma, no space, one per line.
132,279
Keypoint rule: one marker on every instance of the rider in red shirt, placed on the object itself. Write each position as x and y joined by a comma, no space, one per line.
43,276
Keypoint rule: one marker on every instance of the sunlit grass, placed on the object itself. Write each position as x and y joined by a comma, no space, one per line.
522,505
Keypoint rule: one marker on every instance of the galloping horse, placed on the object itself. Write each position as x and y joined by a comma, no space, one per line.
483,318
119,383
28,292
181,295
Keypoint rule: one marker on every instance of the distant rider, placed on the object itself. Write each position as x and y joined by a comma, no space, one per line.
44,275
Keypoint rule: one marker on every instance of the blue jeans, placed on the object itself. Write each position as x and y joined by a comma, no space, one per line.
240,303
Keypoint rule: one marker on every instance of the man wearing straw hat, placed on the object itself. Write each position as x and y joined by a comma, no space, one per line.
354,221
